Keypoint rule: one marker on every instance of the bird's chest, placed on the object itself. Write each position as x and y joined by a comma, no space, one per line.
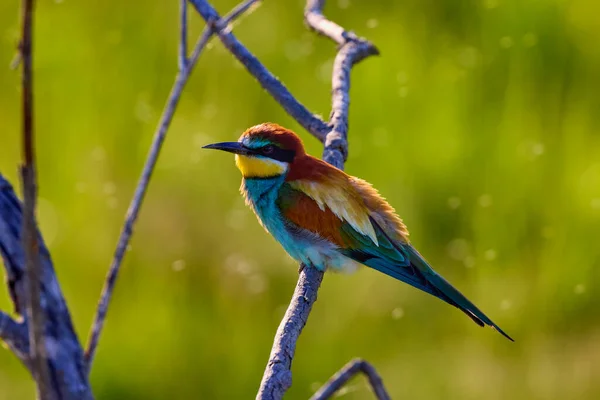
304,246
261,196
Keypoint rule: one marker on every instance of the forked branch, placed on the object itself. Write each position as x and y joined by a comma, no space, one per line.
36,288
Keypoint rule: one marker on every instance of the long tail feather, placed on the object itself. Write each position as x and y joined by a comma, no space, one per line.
403,262
449,293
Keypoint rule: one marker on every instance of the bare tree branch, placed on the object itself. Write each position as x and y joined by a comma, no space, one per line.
35,316
142,186
312,123
65,355
237,11
183,35
351,51
277,377
348,371
314,18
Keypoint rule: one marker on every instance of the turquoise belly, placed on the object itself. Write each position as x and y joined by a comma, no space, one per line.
303,246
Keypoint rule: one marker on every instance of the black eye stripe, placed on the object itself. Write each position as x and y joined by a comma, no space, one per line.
279,154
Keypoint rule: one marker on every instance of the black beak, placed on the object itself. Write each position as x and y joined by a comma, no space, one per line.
230,147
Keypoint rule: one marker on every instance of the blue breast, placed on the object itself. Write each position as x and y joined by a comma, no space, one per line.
262,196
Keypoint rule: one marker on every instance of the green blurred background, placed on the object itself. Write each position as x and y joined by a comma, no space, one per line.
479,122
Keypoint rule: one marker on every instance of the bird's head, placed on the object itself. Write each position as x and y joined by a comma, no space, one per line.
263,151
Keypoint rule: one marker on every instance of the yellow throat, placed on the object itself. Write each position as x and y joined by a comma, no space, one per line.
258,167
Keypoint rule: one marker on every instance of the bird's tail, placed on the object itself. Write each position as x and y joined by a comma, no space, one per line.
444,290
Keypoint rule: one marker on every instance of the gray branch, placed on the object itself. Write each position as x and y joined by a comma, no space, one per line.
314,18
64,352
183,35
346,373
309,121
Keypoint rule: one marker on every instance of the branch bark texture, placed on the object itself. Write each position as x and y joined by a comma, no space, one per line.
277,377
309,121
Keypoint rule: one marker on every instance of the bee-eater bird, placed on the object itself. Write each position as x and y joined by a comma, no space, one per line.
325,218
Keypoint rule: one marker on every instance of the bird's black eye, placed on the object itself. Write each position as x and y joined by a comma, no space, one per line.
268,149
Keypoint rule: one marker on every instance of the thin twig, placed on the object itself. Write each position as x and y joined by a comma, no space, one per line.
348,371
138,197
277,376
183,34
309,121
142,186
314,18
35,314
202,41
236,12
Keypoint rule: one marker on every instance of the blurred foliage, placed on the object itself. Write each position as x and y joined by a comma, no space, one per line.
479,122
